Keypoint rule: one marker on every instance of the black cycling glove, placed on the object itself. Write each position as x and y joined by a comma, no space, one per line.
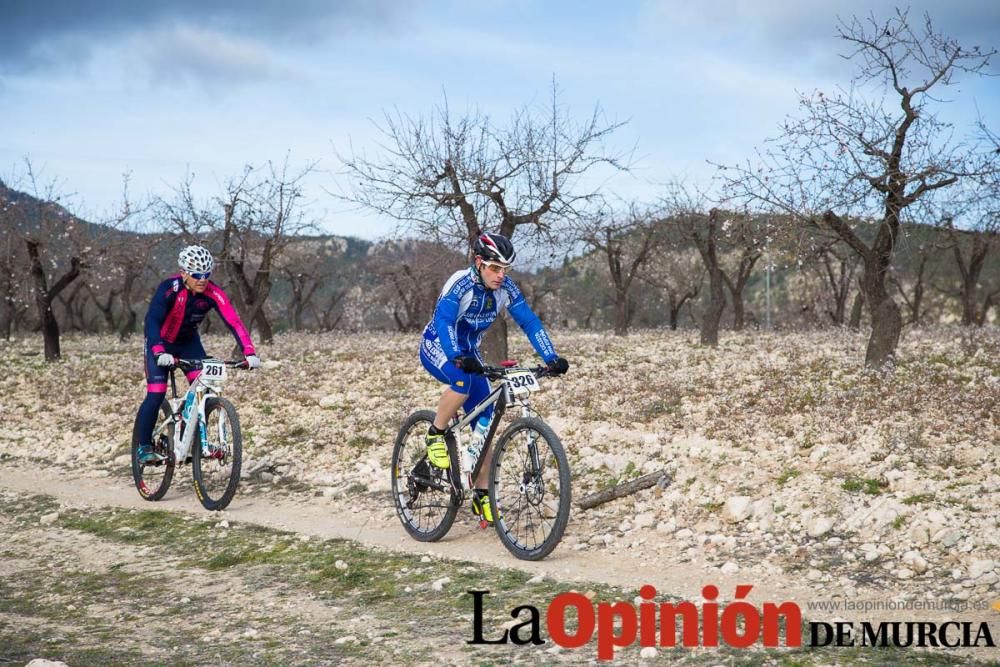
558,366
469,365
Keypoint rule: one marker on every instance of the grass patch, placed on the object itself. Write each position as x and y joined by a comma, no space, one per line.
787,475
869,485
919,498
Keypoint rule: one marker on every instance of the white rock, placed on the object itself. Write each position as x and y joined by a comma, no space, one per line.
684,533
920,534
980,567
251,633
737,509
820,525
904,573
331,401
48,519
730,568
344,640
42,662
222,524
763,508
915,561
340,565
440,583
537,579
648,653
645,520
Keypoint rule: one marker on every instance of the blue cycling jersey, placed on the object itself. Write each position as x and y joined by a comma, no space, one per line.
466,309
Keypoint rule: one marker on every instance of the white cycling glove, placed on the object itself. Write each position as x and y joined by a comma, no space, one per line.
253,361
165,360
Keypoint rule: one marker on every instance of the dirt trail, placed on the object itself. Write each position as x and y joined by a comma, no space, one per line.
318,517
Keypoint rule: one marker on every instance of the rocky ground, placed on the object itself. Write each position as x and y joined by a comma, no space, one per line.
788,463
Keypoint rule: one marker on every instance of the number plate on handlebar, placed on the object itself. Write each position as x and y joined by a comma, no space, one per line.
213,371
522,382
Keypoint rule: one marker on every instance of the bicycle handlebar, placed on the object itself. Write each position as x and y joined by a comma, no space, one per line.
196,364
497,372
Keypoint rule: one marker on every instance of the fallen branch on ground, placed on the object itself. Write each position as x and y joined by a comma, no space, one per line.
659,478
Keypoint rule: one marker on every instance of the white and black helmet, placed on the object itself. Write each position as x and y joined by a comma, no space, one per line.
494,248
195,259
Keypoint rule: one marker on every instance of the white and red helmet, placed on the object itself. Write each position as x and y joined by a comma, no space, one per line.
494,248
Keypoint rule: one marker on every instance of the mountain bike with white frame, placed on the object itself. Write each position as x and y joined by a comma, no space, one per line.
529,476
200,427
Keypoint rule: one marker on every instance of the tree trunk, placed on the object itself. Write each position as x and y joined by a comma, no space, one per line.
717,298
128,324
264,326
494,346
712,318
622,314
675,310
857,310
738,316
44,297
887,322
988,302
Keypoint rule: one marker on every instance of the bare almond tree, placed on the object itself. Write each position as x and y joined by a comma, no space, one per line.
451,177
852,154
626,239
679,272
411,274
44,228
837,265
248,227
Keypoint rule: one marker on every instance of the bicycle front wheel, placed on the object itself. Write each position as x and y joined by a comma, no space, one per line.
422,493
530,489
217,455
153,479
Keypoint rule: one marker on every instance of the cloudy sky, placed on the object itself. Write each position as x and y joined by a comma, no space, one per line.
90,90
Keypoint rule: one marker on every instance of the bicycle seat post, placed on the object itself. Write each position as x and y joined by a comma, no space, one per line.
173,383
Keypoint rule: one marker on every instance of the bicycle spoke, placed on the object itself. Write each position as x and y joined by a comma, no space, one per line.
531,485
421,493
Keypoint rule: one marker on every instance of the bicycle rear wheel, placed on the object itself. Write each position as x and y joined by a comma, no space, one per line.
216,461
153,479
530,489
421,493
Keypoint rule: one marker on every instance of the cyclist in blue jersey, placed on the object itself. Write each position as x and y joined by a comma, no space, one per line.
179,305
470,302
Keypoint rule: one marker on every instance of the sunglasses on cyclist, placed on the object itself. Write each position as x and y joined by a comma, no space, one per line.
496,267
201,276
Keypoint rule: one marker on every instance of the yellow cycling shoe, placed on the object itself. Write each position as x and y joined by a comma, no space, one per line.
481,507
437,451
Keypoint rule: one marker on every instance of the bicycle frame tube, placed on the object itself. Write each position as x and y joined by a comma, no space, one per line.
195,420
497,414
501,395
492,398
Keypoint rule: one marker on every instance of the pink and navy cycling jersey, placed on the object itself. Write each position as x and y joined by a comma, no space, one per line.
175,314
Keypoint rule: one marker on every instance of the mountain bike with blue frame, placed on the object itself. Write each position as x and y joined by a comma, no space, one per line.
529,476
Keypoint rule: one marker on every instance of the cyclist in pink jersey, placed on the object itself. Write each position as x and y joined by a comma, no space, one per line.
178,307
